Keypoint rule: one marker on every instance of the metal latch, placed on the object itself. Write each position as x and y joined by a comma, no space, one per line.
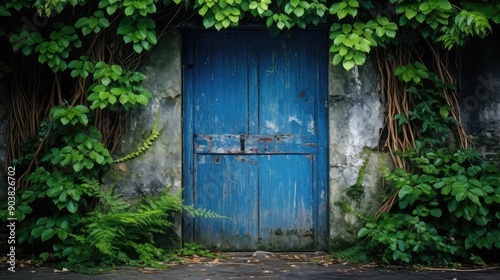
242,143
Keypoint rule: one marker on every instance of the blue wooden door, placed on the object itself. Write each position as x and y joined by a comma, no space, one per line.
255,136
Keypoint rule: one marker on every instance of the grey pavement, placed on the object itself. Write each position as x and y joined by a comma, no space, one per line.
261,265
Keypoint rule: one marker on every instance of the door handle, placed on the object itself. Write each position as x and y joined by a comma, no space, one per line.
242,143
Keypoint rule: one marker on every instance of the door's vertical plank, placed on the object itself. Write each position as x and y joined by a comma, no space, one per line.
310,98
286,212
200,95
253,54
267,68
287,107
236,97
221,117
296,115
221,105
188,132
226,187
222,181
321,192
307,74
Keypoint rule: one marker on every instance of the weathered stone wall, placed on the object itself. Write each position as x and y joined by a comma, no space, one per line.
480,95
356,118
161,165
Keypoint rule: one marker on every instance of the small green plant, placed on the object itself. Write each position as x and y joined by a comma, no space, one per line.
70,115
352,42
355,191
155,133
195,249
56,50
202,212
94,23
353,254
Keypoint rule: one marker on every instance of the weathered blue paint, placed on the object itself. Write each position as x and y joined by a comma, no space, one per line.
255,134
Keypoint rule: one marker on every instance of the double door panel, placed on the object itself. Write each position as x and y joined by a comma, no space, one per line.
255,139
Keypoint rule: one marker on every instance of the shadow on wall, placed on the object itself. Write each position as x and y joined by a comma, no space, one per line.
480,95
3,143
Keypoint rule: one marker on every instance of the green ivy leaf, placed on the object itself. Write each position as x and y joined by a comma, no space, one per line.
81,22
37,231
436,212
47,234
138,48
77,166
129,11
359,58
477,191
72,206
362,232
443,111
410,13
83,119
54,191
25,209
348,64
57,112
4,11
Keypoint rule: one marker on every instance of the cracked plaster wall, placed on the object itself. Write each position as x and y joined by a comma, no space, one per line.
161,165
355,121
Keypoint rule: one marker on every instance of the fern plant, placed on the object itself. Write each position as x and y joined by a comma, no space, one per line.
118,231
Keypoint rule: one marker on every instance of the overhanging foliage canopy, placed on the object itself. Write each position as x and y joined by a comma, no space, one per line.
56,30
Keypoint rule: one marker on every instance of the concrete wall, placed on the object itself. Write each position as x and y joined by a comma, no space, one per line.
480,95
356,118
161,165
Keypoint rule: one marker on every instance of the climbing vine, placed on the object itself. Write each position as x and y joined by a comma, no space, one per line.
357,190
155,133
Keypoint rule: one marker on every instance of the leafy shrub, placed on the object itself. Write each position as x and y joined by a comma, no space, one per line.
449,211
65,216
403,238
449,203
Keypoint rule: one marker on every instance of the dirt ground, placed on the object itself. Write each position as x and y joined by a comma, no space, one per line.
260,265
